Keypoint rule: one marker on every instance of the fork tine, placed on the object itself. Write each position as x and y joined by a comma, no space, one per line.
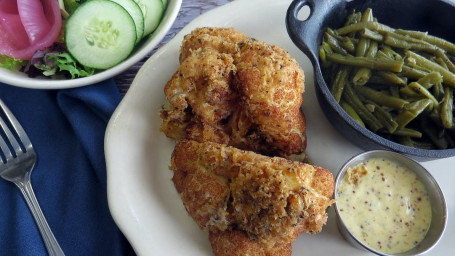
4,148
16,125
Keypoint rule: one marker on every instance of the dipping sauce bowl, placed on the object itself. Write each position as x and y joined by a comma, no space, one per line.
389,204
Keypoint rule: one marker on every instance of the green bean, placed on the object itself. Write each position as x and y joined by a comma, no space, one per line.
351,112
381,98
447,108
364,42
408,132
392,78
363,74
323,50
441,63
367,117
396,82
372,35
334,44
447,61
409,93
430,79
449,77
411,112
339,82
441,43
393,54
372,63
412,72
421,90
362,25
396,41
415,34
384,117
438,91
348,44
354,17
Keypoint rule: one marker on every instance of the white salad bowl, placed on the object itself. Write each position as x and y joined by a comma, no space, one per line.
147,44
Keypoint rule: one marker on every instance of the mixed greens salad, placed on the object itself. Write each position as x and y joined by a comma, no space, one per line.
73,38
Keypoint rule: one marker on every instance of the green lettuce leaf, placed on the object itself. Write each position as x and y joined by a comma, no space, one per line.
11,63
62,63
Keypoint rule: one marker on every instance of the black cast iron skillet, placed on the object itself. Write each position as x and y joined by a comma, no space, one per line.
435,16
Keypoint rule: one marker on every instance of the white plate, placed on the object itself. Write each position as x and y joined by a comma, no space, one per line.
142,198
145,47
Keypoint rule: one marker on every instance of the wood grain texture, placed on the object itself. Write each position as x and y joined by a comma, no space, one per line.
190,9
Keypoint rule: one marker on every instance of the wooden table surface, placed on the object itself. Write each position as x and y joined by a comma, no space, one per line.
190,9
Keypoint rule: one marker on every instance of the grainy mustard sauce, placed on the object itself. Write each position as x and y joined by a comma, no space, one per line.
384,205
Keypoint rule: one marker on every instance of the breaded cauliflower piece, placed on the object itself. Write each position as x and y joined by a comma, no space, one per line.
270,199
236,90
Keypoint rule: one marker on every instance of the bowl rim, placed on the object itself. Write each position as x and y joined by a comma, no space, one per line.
20,79
394,156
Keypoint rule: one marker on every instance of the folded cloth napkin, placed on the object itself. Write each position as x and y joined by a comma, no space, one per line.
67,130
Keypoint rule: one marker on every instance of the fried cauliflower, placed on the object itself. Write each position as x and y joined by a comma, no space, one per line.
249,202
235,90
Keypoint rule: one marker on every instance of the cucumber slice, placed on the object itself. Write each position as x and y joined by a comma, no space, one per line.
136,13
152,11
164,3
100,34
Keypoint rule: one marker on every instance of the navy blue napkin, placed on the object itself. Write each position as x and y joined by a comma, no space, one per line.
67,130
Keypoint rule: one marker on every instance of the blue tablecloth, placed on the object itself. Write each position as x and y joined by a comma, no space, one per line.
67,130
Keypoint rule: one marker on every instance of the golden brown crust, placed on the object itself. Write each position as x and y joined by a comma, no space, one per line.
270,198
237,243
223,40
236,90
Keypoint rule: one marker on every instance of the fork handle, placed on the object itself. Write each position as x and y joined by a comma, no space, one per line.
52,246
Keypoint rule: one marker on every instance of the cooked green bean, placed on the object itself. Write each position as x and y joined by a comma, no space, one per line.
351,112
348,44
441,54
362,25
408,132
392,78
441,43
413,73
421,90
381,98
397,42
449,77
398,83
367,117
372,63
438,91
334,44
441,62
430,79
411,112
339,82
384,117
447,108
393,54
362,75
323,50
370,34
364,42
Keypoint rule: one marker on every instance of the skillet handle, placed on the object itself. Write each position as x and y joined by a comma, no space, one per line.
305,33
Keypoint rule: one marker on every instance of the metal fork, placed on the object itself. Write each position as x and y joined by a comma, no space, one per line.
17,167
